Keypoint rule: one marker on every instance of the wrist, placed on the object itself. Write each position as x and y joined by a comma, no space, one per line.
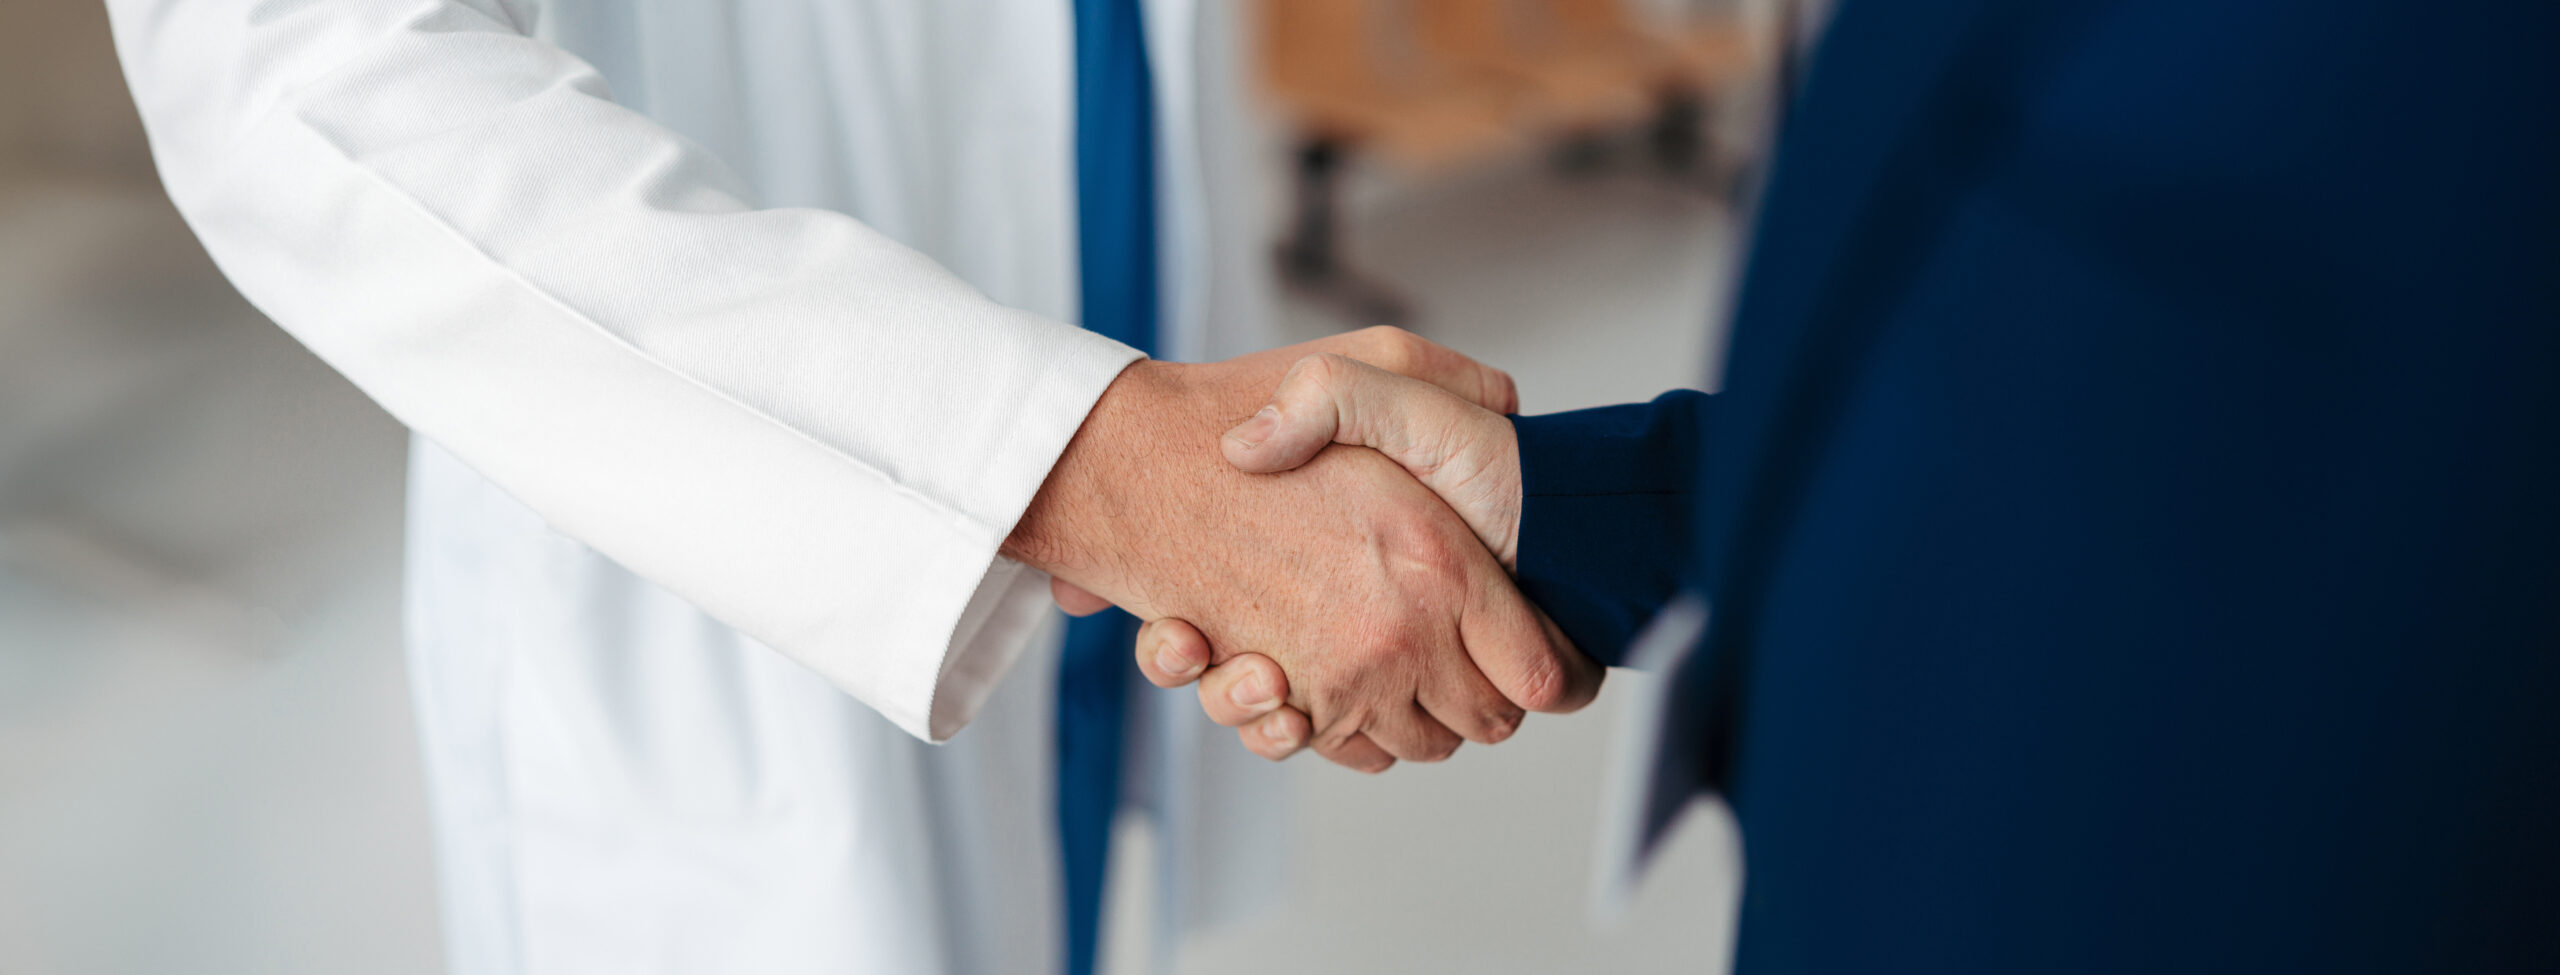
1084,524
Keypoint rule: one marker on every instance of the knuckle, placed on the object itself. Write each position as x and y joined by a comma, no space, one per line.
1150,648
1541,684
1501,723
1390,348
1285,730
1580,682
1263,669
1354,751
1340,756
1420,552
1384,334
1501,391
1335,742
1325,371
1264,747
1215,703
1438,749
1430,574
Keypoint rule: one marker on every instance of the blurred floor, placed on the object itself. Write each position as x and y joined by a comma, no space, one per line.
206,763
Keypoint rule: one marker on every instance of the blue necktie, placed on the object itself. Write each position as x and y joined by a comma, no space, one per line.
1116,246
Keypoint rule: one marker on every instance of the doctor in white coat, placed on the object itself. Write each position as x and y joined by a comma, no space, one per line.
717,319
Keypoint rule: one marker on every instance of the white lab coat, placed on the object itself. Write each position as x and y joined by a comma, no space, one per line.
724,325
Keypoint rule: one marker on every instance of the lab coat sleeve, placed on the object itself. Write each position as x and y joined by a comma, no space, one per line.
814,434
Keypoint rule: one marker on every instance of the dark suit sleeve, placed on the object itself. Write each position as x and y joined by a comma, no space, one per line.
1608,499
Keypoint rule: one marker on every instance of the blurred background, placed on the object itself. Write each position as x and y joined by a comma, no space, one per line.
206,756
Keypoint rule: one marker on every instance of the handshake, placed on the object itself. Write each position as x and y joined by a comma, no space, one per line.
1353,599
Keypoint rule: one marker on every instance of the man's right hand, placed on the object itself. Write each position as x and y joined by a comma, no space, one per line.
1462,450
1389,616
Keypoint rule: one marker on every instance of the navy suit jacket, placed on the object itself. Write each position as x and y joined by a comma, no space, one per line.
2131,517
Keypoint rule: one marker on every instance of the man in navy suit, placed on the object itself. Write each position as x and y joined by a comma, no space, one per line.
2131,518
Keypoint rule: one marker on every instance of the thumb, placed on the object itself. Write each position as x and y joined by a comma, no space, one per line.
1464,453
1328,398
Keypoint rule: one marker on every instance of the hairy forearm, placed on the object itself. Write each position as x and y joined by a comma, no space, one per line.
1139,473
1068,529
1144,469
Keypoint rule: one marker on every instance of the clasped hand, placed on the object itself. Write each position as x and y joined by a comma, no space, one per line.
1353,600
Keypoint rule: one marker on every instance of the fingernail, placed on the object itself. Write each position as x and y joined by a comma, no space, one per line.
1172,663
1281,732
1250,694
1253,431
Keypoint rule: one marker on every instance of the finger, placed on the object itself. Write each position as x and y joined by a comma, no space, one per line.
1356,753
1278,735
1413,735
1583,674
1074,599
1463,453
1171,653
1242,689
1406,354
1500,394
1329,398
1524,655
1468,704
1310,407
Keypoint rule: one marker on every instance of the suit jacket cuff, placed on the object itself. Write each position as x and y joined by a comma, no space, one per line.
1608,503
